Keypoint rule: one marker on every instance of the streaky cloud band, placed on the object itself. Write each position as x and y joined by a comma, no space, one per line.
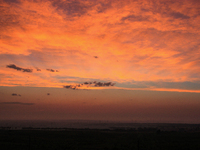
89,84
13,66
16,103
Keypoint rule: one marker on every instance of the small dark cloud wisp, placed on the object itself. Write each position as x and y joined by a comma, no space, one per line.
14,94
73,87
96,57
104,84
52,70
89,84
16,103
13,66
100,83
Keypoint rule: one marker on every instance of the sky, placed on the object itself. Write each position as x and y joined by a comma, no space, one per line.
124,60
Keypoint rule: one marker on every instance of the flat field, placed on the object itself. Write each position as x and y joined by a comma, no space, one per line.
96,139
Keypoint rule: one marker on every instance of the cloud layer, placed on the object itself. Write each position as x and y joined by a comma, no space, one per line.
119,41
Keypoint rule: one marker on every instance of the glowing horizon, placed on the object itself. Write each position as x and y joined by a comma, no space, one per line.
149,45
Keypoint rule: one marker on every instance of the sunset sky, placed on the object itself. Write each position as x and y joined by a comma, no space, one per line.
124,60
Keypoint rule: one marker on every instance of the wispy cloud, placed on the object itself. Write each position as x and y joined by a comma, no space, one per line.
135,18
178,15
16,103
38,69
52,70
12,1
13,66
103,84
14,94
70,87
88,84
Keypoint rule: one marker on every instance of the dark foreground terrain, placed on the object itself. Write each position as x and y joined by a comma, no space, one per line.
78,139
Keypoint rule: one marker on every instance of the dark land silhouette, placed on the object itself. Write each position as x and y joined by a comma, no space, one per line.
101,136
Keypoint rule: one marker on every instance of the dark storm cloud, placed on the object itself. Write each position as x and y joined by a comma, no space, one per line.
52,70
13,66
16,103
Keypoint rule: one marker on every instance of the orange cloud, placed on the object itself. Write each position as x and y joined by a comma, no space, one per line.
140,41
